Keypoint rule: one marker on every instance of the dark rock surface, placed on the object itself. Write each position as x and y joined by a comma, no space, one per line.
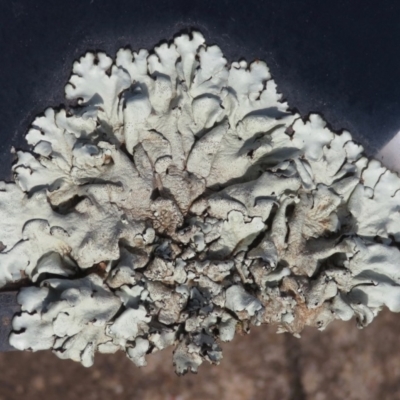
338,58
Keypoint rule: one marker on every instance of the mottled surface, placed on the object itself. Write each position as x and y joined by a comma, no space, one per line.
340,363
8,307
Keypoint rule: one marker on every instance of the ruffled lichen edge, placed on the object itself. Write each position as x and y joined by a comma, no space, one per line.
180,200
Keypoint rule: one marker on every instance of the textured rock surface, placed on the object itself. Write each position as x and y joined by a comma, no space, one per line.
178,200
341,362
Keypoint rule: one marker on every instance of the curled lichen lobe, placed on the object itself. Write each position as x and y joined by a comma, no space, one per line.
179,201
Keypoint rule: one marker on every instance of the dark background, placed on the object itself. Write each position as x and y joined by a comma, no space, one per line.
338,58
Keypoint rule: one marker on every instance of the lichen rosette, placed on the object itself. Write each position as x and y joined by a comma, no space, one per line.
177,200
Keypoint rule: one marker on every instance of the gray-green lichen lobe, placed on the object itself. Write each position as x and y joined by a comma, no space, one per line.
181,201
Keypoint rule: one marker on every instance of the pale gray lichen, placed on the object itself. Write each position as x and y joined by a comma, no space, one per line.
178,200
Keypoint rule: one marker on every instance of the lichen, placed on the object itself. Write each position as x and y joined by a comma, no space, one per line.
177,200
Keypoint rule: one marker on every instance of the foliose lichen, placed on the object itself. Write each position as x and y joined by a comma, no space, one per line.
177,200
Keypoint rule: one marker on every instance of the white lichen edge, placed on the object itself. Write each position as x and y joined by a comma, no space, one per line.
180,200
